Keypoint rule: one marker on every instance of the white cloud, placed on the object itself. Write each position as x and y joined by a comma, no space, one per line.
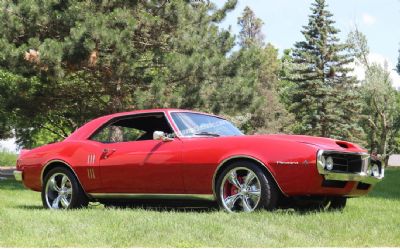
396,79
359,70
368,19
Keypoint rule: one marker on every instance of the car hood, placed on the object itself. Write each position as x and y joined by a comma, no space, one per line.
319,142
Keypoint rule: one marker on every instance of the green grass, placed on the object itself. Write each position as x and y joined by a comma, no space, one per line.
7,158
368,221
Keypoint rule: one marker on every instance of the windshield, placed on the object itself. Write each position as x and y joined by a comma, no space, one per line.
195,124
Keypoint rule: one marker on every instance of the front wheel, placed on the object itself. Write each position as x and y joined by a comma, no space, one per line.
326,204
61,190
337,203
243,186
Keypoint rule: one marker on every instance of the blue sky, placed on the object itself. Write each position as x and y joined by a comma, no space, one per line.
379,20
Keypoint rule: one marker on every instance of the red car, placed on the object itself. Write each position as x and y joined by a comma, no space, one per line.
181,154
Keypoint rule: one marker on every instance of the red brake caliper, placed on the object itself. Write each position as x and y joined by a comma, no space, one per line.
230,189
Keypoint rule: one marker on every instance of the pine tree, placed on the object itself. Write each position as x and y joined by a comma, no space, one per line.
325,101
76,60
250,33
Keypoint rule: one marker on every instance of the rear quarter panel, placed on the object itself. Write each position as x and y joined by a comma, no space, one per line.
74,154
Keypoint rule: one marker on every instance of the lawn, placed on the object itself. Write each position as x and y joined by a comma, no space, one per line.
368,221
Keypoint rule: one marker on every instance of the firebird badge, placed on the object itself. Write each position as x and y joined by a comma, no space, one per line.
305,163
287,163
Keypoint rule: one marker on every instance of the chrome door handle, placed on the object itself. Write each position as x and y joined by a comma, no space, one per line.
107,153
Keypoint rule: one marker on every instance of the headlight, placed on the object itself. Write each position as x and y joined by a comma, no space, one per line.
329,163
375,170
323,161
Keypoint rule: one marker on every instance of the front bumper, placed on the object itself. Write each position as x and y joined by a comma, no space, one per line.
18,175
361,177
364,176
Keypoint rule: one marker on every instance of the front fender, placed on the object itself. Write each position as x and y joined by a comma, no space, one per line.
291,164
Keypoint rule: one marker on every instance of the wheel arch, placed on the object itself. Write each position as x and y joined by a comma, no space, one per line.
58,163
226,162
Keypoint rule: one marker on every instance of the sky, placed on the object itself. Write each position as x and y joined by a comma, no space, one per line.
379,20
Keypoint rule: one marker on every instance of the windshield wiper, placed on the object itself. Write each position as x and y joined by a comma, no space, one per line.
205,133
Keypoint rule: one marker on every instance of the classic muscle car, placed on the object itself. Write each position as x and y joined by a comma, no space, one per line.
181,154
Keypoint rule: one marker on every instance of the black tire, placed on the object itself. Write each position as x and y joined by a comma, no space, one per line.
269,193
77,197
312,205
337,203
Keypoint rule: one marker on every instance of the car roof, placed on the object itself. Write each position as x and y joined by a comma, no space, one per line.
119,114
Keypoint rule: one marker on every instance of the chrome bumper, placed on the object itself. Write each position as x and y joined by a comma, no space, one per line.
18,175
364,176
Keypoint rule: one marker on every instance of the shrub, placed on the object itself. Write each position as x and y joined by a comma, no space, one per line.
7,158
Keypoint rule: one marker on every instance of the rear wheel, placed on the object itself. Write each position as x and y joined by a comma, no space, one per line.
243,186
61,190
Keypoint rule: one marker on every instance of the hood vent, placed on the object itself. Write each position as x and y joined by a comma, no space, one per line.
344,144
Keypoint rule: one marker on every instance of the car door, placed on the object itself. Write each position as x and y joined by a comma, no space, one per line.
135,163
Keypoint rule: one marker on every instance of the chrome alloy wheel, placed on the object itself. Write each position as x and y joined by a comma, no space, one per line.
240,190
58,191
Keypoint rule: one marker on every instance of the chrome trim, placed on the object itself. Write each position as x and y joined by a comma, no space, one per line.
244,157
172,123
152,196
358,177
160,135
18,175
362,177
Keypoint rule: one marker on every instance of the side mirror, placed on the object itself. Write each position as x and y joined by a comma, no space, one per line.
160,135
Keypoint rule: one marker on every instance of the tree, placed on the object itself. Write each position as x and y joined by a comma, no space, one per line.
76,60
381,110
381,101
250,33
6,118
324,99
398,64
358,45
250,87
252,90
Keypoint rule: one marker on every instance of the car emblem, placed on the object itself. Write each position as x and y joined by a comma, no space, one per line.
287,163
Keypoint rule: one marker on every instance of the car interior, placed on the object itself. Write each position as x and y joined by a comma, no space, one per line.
133,128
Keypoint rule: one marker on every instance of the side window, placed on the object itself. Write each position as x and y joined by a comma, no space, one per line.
133,128
116,134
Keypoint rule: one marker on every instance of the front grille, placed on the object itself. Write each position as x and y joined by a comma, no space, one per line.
333,184
363,186
350,163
